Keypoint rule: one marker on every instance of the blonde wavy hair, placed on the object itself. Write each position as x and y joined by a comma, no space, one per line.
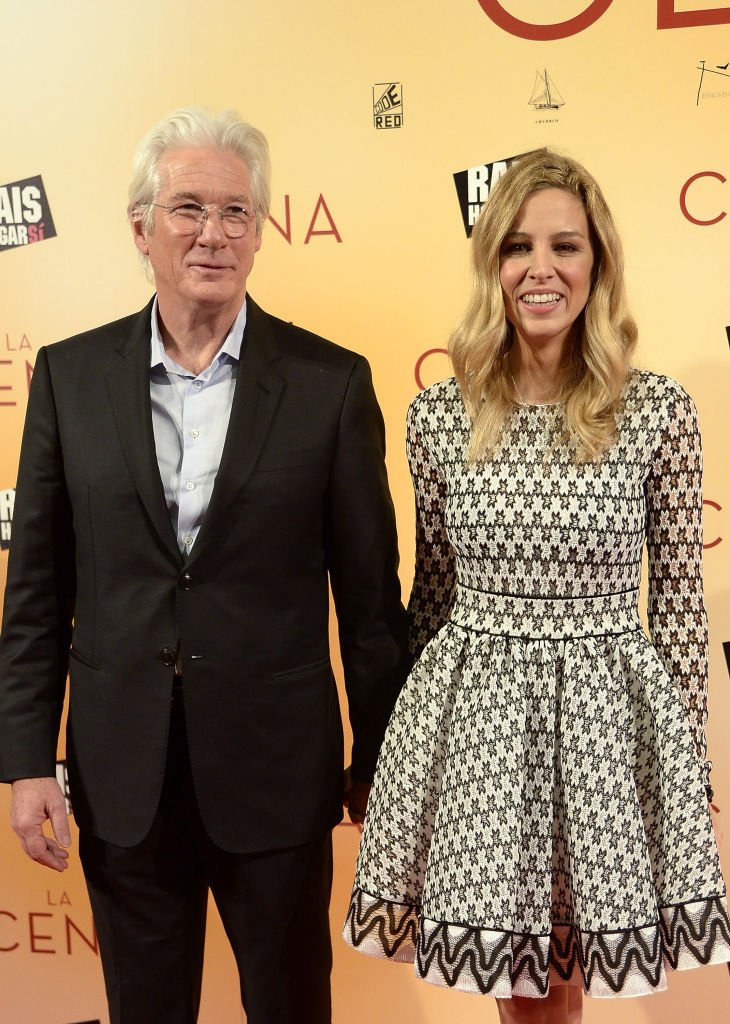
604,335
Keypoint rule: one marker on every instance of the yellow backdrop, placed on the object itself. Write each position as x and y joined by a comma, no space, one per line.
368,248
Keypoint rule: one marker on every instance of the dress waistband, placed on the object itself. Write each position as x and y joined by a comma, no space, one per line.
546,618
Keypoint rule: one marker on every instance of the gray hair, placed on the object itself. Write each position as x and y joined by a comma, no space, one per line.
197,127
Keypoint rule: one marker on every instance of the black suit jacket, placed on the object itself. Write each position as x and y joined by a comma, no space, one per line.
301,499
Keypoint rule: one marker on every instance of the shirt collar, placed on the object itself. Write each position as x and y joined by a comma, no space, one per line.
231,347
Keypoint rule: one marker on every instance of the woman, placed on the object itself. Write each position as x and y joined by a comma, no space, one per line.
540,811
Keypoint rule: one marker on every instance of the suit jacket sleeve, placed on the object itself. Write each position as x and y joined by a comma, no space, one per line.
363,559
39,596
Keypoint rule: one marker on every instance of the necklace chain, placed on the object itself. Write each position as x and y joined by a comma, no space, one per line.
517,390
520,399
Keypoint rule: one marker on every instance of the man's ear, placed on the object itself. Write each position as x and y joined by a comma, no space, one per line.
139,233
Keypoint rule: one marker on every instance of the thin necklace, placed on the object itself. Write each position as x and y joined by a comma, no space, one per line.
517,390
522,402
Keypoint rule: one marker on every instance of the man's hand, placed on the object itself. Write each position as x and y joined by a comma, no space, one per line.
355,799
34,802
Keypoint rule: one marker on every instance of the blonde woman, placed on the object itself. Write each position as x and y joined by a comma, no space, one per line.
539,822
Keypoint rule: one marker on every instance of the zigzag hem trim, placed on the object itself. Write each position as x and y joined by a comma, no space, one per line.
619,963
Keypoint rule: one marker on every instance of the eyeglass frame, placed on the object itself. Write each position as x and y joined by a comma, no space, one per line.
206,208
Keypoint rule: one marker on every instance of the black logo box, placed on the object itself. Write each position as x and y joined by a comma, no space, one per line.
25,216
474,185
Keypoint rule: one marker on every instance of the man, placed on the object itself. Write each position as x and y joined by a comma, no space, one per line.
191,478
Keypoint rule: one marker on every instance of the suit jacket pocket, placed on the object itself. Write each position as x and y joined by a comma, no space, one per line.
76,655
290,458
301,670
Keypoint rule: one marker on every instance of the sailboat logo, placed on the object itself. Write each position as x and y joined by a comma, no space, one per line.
545,95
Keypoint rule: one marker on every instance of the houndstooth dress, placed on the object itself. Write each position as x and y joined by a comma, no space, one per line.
539,811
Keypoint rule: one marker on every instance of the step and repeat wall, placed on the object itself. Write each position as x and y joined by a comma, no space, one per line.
388,124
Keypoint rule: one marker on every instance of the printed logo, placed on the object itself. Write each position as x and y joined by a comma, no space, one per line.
708,502
48,931
321,221
712,89
62,780
6,400
7,503
6,387
667,16
544,32
474,185
694,218
25,216
388,105
429,370
545,99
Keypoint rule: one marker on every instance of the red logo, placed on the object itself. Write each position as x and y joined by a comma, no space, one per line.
440,364
45,931
666,17
320,223
683,199
543,33
5,389
718,508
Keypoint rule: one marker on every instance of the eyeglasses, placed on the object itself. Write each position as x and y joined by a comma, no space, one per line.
188,218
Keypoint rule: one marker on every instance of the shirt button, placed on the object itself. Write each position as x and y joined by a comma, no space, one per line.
188,540
194,433
190,486
197,384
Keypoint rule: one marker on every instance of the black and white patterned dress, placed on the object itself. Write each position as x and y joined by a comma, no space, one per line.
539,810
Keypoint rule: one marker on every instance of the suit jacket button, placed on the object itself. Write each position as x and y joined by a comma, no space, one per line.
186,581
168,657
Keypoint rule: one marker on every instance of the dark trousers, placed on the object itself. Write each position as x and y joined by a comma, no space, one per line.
149,904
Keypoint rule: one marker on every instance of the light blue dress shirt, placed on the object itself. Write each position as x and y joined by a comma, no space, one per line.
190,417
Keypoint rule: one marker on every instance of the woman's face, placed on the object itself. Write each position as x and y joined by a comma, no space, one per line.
546,261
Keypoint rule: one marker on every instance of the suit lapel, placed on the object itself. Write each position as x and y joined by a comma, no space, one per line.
128,386
255,399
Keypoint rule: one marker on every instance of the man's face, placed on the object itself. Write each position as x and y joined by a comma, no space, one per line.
203,272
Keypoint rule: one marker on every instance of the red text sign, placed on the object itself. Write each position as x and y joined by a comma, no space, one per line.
683,198
666,17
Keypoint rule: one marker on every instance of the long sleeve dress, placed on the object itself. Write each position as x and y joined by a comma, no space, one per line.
539,813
